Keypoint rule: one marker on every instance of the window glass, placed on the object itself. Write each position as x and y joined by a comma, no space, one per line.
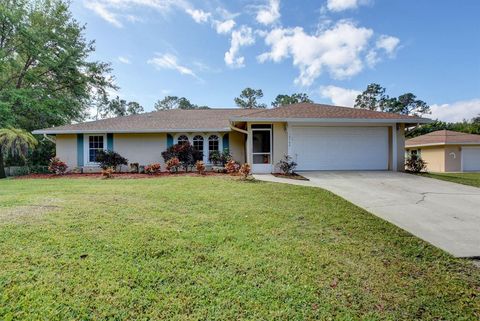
261,141
182,139
198,143
213,143
95,144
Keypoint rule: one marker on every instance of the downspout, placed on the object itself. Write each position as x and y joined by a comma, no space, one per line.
49,138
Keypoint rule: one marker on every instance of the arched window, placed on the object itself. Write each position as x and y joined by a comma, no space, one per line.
213,143
198,143
182,139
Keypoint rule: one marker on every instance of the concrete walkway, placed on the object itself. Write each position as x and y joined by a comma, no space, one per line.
445,214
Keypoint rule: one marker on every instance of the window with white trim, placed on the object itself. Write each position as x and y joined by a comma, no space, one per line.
95,144
198,143
182,139
213,143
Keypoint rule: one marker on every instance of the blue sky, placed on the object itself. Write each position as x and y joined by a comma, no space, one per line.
208,51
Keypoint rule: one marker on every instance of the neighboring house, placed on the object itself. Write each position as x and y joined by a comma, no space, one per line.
318,137
447,151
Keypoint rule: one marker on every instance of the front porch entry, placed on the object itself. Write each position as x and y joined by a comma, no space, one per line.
261,148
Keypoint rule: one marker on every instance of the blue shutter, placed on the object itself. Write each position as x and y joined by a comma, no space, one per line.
169,140
79,150
110,142
226,142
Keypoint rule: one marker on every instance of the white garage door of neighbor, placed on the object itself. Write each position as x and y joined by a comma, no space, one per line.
470,159
339,148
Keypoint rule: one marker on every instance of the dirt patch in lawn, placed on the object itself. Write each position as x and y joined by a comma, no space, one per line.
116,175
26,213
291,176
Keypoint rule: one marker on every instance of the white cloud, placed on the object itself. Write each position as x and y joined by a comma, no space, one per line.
388,43
224,27
240,37
340,96
338,50
456,111
269,13
341,5
102,11
169,61
199,16
124,60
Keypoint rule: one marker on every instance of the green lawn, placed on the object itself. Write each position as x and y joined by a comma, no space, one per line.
214,248
472,179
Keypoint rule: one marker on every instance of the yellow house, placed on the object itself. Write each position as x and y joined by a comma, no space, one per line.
317,137
447,151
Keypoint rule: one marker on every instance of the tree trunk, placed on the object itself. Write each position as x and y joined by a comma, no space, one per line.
2,166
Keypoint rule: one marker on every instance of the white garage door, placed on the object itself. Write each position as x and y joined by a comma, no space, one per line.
339,148
471,159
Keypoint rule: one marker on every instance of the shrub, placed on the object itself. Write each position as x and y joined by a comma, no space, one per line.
287,165
107,172
173,164
200,166
57,167
111,159
245,170
185,153
153,168
415,164
214,157
134,167
220,158
232,167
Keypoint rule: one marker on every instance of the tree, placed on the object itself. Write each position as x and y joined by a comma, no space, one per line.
282,100
248,99
120,107
14,141
374,98
46,76
174,102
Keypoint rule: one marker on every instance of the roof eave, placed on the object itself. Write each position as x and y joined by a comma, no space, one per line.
334,120
130,131
439,144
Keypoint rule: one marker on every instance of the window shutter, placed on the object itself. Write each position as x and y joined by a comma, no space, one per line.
169,140
226,142
79,150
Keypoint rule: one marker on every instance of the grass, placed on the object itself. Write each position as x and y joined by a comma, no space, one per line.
191,248
472,179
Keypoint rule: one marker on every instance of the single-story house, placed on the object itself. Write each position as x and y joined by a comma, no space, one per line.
318,137
447,151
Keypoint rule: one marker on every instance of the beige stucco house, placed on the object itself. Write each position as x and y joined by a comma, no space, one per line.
447,151
318,137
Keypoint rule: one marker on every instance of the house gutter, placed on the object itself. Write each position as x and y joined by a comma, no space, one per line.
238,129
50,139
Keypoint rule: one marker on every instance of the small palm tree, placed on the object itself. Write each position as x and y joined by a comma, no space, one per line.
14,141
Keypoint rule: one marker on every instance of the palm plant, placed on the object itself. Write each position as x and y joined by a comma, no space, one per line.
14,141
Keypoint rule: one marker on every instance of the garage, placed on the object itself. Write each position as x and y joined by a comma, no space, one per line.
339,148
470,159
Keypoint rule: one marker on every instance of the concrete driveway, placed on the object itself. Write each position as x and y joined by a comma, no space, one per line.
445,214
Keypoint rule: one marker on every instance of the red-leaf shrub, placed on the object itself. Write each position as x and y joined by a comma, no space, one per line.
232,167
108,172
173,164
245,170
200,166
153,168
185,153
57,167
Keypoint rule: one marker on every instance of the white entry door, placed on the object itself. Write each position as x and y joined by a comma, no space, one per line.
339,148
470,159
262,150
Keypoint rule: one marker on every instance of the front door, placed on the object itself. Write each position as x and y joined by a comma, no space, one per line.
262,150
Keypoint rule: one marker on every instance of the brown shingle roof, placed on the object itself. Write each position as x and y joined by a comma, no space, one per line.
158,121
219,119
443,137
308,110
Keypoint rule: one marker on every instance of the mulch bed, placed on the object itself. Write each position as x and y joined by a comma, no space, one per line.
117,175
291,176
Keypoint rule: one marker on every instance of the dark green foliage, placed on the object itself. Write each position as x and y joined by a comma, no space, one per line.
287,165
174,102
110,159
46,76
374,98
470,127
119,107
249,97
220,158
282,100
186,154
